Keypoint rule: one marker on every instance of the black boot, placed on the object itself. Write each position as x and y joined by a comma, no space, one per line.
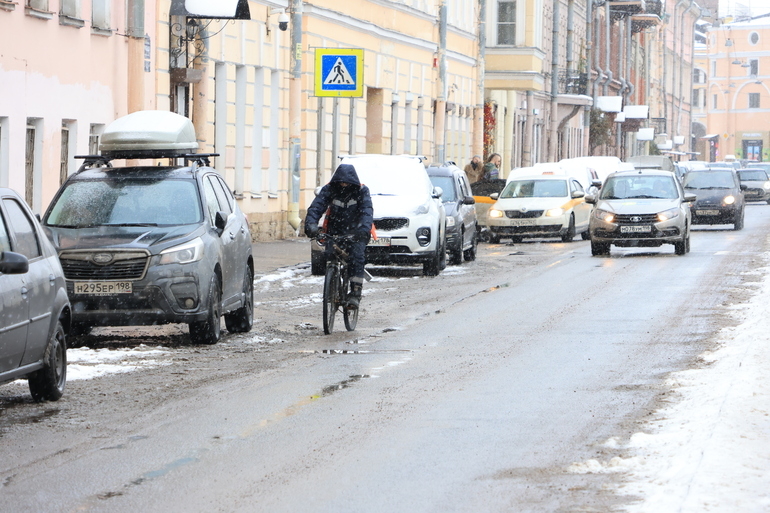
354,298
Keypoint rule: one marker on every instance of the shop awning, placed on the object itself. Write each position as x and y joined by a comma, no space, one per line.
709,136
217,9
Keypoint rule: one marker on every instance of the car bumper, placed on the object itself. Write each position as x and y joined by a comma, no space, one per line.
535,227
709,214
633,235
756,194
155,299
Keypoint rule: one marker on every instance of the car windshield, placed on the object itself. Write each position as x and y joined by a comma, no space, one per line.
754,165
447,185
126,202
640,187
535,189
753,175
715,179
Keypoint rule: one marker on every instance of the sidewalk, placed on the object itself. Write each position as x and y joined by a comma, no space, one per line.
269,256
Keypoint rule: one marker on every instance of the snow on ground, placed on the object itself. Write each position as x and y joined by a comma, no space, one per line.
84,363
709,450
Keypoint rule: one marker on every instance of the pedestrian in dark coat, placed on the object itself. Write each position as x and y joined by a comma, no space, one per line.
350,212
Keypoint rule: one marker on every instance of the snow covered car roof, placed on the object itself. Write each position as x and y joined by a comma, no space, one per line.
148,134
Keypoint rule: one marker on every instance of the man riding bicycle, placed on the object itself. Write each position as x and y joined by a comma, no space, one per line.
350,212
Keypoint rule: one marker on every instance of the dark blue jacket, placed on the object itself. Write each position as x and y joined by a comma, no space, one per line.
350,207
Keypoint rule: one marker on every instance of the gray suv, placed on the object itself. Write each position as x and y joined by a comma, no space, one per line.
153,244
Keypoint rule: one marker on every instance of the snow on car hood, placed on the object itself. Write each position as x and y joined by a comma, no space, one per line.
396,206
637,206
153,238
531,203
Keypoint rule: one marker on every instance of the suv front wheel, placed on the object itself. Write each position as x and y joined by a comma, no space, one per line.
210,330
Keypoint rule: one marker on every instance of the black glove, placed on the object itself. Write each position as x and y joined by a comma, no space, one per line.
311,230
363,235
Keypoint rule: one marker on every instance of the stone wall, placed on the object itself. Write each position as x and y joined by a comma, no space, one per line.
271,226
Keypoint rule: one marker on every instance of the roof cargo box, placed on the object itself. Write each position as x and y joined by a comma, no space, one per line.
148,134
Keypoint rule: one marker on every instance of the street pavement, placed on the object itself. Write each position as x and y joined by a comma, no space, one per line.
275,254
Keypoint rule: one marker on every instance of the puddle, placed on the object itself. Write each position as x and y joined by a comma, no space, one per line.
497,287
327,391
357,351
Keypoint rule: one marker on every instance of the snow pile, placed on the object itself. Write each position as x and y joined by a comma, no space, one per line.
710,449
84,363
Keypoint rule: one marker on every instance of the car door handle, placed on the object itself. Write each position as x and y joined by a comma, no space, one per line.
52,278
24,291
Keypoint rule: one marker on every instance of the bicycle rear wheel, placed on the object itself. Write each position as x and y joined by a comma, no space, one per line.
331,294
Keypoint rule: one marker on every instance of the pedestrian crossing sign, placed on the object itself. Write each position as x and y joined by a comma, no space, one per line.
339,72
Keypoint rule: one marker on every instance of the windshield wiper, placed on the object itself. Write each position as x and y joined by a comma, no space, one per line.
131,224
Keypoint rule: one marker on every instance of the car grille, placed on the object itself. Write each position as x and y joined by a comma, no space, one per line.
122,265
636,218
391,223
518,214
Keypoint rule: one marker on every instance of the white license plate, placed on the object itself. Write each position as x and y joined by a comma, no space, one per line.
103,288
380,241
707,212
636,229
523,222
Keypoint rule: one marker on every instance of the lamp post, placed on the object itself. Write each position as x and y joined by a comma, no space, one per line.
295,113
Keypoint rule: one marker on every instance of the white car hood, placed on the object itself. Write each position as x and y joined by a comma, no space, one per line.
527,204
637,206
396,206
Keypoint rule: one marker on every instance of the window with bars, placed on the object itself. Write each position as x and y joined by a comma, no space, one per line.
754,67
506,22
753,100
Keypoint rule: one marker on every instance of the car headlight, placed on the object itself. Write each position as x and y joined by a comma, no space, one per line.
554,212
184,253
668,214
450,221
422,209
729,200
493,212
607,217
766,186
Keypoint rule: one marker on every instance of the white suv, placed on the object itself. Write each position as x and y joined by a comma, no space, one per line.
409,215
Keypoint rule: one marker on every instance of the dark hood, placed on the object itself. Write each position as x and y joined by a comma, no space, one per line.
345,173
153,238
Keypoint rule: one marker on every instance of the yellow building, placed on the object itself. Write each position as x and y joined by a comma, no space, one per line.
738,98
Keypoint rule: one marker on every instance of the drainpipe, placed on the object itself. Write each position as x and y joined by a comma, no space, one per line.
673,70
570,35
440,131
623,85
478,118
681,67
692,81
295,112
553,140
529,121
607,63
135,77
589,72
629,82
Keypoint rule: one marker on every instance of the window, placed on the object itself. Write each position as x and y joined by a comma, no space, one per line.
754,67
754,38
93,138
696,97
21,225
753,100
5,240
100,14
714,103
506,22
40,5
70,8
699,76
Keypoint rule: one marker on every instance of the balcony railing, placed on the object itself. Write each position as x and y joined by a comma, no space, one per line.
572,82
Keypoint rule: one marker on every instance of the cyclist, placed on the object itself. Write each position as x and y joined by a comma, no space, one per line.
350,212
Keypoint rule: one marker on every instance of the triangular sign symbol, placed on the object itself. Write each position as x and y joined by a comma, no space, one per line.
339,74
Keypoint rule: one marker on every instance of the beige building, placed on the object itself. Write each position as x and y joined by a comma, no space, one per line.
738,90
71,66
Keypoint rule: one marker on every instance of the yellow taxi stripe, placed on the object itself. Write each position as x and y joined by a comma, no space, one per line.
484,199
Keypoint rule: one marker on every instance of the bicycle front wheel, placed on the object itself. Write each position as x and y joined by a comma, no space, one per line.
351,318
331,294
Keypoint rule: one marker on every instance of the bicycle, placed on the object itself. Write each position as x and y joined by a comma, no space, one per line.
337,284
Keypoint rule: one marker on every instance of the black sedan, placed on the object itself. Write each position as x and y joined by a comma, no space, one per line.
720,196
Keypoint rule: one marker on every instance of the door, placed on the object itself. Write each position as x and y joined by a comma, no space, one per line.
468,211
14,322
752,150
581,209
40,281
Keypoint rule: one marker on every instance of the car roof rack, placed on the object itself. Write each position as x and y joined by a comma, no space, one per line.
90,161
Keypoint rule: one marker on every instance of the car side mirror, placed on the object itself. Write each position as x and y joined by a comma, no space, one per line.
578,194
469,200
590,199
744,187
220,221
494,195
13,263
597,183
690,198
437,192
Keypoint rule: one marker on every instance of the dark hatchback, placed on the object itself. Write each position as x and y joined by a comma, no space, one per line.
757,184
461,223
719,194
144,245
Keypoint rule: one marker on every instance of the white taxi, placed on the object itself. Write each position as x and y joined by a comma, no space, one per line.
541,205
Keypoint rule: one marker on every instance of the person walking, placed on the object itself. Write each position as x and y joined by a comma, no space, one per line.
348,207
491,169
474,169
